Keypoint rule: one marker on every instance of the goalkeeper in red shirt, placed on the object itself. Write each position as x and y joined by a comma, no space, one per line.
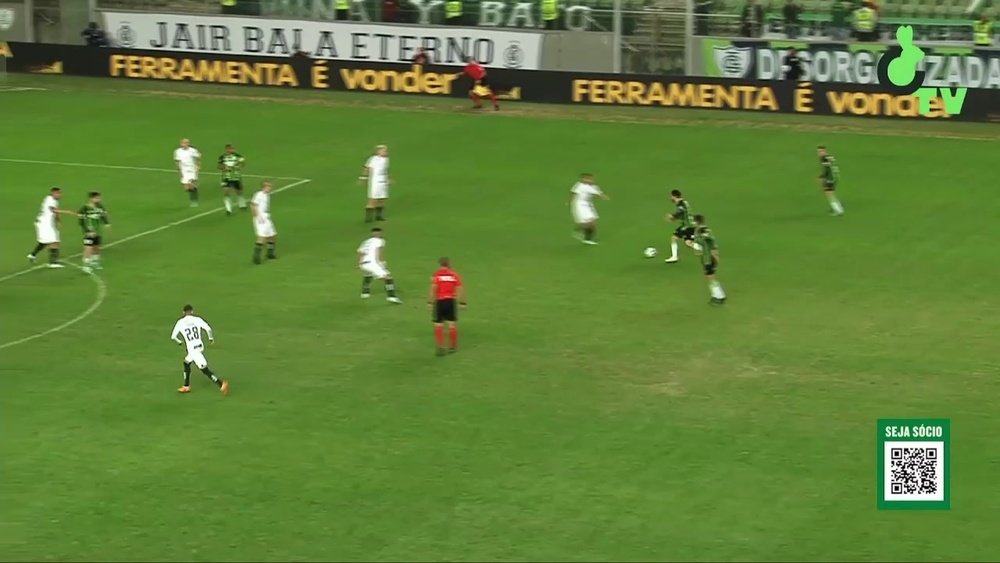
481,85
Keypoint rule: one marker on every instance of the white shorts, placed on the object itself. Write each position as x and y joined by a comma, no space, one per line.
378,190
198,357
583,213
189,177
46,234
264,227
378,271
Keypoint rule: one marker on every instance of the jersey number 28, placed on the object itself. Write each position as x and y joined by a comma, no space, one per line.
192,333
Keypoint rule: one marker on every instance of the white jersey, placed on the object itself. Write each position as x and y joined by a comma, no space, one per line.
583,194
46,215
369,250
187,158
378,170
188,328
262,201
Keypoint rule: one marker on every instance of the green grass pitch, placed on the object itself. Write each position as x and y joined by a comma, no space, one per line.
599,409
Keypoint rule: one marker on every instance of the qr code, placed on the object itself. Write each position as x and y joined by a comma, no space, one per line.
914,470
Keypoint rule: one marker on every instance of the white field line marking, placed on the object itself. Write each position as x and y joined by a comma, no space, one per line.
102,293
102,288
19,89
151,231
115,167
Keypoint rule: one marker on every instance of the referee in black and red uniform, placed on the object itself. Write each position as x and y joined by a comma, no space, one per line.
445,296
477,73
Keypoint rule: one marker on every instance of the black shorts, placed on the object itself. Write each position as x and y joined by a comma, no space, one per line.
92,241
829,185
445,310
710,267
684,233
234,184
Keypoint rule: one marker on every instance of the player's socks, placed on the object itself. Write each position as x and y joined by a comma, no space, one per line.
211,375
270,250
493,98
369,214
673,250
38,248
453,337
366,285
53,255
243,203
588,233
439,336
257,247
229,205
836,206
187,374
378,214
390,288
476,101
193,195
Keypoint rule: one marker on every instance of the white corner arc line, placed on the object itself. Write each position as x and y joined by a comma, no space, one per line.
102,288
117,167
169,225
102,294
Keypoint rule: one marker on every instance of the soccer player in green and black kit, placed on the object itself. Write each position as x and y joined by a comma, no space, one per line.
231,164
93,219
829,173
708,249
685,232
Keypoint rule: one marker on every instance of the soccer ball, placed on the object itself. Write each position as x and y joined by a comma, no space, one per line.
650,252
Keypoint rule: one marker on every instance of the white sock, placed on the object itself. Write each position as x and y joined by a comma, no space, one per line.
229,204
696,246
716,290
835,205
673,249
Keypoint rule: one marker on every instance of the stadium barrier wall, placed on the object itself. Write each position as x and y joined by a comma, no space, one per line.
946,65
865,100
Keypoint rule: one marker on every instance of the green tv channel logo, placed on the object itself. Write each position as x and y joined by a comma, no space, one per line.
897,70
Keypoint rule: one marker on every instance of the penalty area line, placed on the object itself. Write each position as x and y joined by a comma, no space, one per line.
102,287
102,294
118,167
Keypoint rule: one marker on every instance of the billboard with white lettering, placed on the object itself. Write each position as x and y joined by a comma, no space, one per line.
842,63
350,41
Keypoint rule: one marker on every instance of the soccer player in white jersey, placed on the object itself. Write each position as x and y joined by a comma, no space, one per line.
187,332
262,225
376,172
371,260
581,202
47,228
188,161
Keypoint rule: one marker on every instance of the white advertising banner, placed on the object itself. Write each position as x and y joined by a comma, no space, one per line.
351,41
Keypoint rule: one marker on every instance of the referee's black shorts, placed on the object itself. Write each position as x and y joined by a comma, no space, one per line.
445,310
